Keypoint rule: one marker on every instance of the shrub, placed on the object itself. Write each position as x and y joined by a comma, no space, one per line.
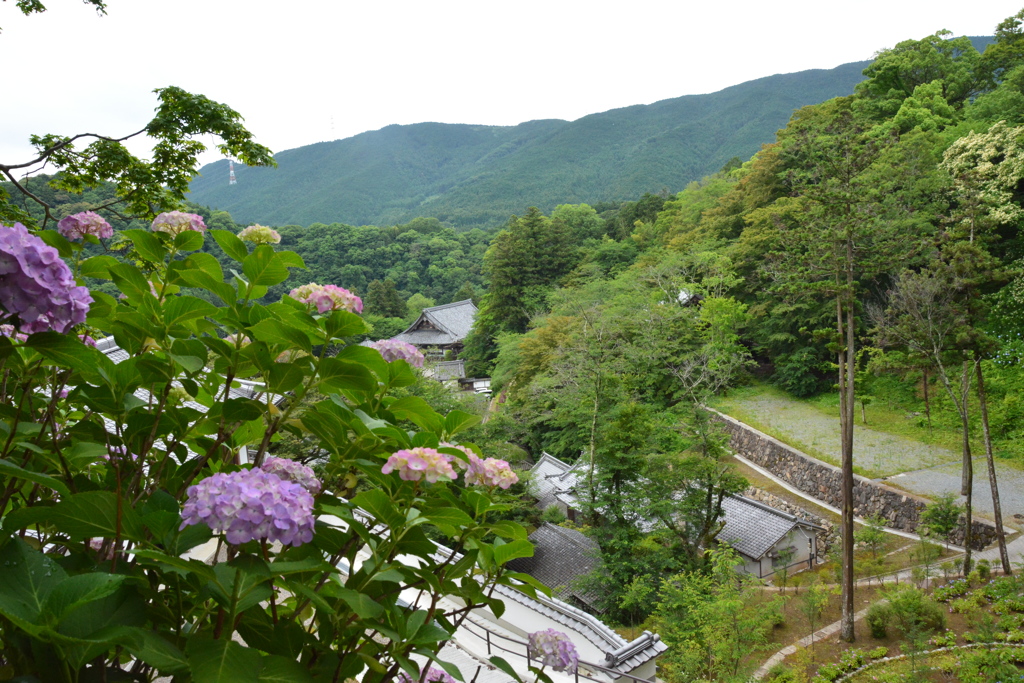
984,569
780,673
553,514
911,611
877,618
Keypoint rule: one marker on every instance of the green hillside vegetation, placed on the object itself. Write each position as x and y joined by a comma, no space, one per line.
478,175
899,206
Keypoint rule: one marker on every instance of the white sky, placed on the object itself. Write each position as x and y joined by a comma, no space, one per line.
306,71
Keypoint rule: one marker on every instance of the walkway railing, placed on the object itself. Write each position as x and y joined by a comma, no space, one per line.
520,648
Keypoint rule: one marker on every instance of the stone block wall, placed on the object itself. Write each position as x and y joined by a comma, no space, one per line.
823,481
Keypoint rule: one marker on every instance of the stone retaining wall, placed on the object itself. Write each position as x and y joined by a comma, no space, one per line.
822,481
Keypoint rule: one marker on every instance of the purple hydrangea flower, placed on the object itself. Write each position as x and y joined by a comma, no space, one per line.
175,222
420,463
392,350
433,676
36,286
10,331
327,298
290,470
77,226
87,340
555,649
249,505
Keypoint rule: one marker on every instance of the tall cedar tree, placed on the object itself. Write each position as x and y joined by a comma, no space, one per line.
382,298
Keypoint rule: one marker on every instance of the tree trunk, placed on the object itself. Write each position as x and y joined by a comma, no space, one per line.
846,407
967,483
927,402
1004,556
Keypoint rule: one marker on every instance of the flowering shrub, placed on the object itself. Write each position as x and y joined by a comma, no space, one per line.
554,649
36,287
148,533
392,350
433,676
87,223
326,298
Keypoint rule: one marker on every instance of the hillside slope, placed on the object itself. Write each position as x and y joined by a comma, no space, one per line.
478,175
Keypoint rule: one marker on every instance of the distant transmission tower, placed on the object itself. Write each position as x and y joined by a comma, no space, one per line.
231,173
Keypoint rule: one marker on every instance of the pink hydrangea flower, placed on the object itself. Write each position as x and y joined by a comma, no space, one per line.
77,226
392,350
175,222
260,234
249,505
327,298
36,286
420,463
553,648
433,676
238,339
490,472
290,470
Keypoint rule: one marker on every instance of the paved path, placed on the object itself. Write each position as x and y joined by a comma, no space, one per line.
917,467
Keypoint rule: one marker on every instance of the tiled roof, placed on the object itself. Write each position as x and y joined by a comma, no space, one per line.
553,481
753,528
560,557
451,324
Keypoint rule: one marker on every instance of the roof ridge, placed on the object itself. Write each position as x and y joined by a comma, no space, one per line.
569,535
453,303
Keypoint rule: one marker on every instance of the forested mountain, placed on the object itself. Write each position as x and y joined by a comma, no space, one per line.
479,175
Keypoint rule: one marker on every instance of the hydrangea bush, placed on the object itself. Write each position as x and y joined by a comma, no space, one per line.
143,538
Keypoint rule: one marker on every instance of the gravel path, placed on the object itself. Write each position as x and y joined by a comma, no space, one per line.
917,467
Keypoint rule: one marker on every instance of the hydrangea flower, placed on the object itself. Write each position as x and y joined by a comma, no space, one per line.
250,505
238,339
419,463
327,298
392,350
290,470
555,649
121,454
77,226
176,222
260,234
490,472
87,340
434,675
10,331
36,286
470,455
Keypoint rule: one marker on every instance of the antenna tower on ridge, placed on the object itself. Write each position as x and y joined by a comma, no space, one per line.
231,173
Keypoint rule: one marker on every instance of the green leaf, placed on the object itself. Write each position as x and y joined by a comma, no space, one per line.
377,503
68,351
232,246
131,281
452,517
28,579
76,591
263,267
147,244
242,410
222,661
512,550
277,669
344,324
278,332
57,241
371,358
98,266
181,309
9,469
417,411
284,377
458,421
506,667
188,240
362,604
158,653
338,375
92,514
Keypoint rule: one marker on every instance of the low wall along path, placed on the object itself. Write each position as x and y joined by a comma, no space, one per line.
823,481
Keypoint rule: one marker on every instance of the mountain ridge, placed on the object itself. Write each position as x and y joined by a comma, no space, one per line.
474,175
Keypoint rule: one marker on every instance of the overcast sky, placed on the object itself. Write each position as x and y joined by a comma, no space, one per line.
306,71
